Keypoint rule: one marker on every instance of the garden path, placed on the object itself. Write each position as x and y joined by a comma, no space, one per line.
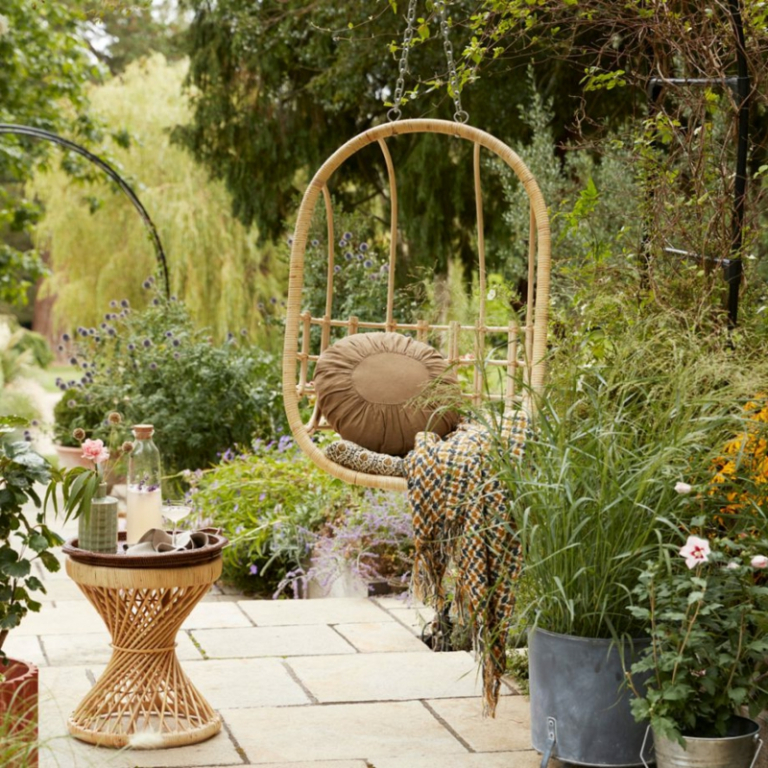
337,683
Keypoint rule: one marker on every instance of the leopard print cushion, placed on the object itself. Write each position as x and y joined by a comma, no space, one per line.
355,457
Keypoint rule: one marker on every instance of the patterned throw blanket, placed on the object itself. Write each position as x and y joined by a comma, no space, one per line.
460,515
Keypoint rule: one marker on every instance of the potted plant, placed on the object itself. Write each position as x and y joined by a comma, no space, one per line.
611,436
705,607
24,538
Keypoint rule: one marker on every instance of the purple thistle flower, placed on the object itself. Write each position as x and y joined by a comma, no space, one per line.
367,263
65,337
363,247
156,302
273,300
113,304
82,331
131,347
124,303
147,343
111,332
243,331
60,348
103,326
174,298
315,243
337,268
347,235
359,256
176,342
342,243
169,334
153,366
348,256
71,403
73,361
176,355
97,339
146,285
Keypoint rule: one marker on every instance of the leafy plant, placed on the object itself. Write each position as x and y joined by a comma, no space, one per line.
373,538
706,610
23,538
613,435
269,501
154,367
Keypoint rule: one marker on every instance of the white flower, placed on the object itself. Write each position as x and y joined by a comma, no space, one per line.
759,561
5,25
491,295
734,565
697,551
683,488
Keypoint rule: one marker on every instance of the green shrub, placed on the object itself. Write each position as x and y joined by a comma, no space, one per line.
154,367
269,501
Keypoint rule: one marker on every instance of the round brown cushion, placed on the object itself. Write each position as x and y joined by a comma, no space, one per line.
364,381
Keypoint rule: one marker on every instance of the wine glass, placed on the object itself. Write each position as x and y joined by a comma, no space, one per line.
175,511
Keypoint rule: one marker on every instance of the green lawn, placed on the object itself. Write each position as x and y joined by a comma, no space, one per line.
48,376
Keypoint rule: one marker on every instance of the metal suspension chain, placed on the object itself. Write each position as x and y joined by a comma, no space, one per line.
460,116
395,113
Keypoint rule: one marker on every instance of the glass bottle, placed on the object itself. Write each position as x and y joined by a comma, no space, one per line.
143,503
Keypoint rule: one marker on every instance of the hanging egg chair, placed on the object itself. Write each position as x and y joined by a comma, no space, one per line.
310,331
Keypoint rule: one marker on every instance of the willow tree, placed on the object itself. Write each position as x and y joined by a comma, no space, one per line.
98,246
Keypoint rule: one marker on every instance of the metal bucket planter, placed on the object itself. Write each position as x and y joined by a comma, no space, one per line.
739,748
579,706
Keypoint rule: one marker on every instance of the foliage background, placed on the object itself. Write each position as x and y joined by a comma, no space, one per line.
99,249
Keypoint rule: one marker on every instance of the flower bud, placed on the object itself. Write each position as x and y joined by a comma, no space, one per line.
759,561
78,434
127,446
114,418
683,488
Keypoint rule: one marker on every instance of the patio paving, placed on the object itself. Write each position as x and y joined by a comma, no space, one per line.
327,683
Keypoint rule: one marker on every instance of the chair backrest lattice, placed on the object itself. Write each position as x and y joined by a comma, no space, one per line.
522,367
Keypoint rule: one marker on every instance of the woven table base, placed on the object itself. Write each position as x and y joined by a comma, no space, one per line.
143,699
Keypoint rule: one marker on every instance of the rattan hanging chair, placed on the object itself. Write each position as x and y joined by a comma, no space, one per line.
525,341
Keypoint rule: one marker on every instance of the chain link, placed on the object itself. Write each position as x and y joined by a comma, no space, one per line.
460,116
402,67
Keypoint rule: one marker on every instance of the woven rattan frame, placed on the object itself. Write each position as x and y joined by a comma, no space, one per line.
144,690
296,356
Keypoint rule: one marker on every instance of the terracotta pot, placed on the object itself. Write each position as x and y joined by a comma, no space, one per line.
18,714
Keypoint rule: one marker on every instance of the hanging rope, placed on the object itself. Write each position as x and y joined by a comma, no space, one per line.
394,114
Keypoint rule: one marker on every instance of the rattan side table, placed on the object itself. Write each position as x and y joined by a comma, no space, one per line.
144,690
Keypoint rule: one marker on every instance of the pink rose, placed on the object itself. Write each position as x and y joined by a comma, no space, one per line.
696,551
95,451
759,561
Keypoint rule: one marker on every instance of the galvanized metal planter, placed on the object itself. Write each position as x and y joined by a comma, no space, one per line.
739,748
579,706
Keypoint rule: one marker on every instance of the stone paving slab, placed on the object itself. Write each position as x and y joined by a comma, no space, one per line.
65,617
237,683
270,641
527,759
510,730
66,752
389,676
25,647
340,732
377,637
337,610
95,648
216,615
